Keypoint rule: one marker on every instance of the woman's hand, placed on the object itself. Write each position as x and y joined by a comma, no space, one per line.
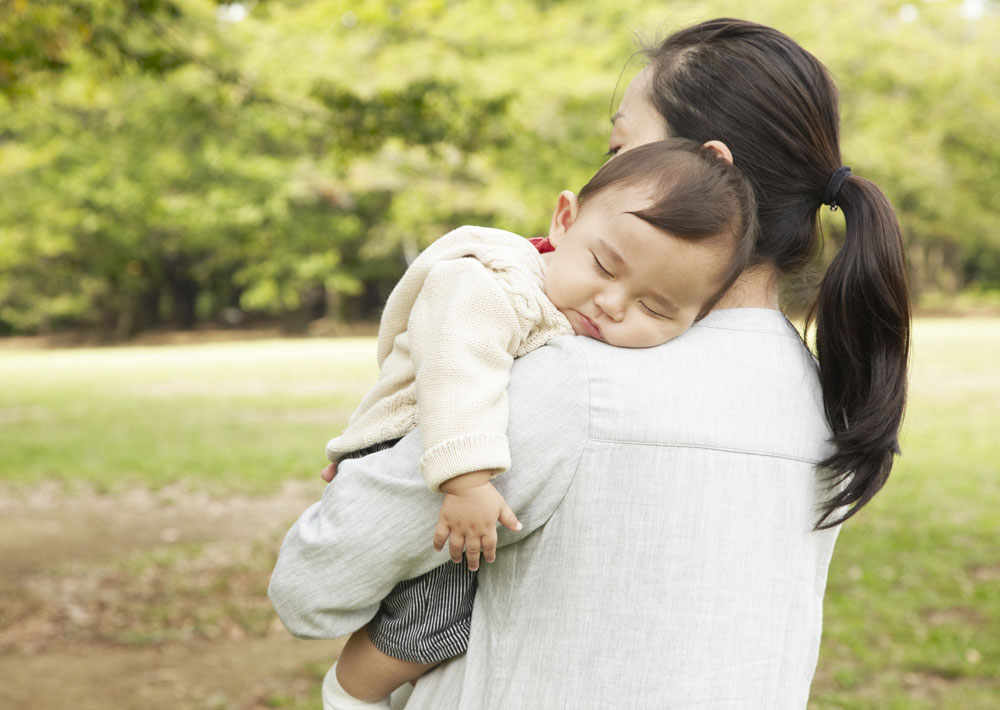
468,518
329,472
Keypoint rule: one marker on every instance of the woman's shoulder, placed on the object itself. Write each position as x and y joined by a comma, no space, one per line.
736,381
763,332
750,320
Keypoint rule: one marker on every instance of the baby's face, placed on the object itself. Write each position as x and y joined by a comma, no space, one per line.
619,279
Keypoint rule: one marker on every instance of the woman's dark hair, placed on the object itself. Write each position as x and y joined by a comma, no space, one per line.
776,108
698,196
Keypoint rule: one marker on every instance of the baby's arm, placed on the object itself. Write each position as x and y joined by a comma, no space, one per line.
463,333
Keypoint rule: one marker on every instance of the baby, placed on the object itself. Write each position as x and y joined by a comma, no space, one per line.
645,250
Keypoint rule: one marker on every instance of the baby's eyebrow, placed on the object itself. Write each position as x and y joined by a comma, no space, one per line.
616,117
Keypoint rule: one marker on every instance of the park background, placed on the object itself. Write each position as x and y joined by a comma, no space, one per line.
204,205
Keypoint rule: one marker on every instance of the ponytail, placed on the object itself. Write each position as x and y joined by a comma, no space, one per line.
862,317
775,106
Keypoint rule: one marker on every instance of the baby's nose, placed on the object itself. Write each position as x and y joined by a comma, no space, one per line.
611,305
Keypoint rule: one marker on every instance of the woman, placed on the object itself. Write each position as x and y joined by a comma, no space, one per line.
774,106
676,527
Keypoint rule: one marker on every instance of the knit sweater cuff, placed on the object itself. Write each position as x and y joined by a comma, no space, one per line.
465,454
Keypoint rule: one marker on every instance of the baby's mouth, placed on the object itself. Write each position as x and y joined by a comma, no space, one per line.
590,327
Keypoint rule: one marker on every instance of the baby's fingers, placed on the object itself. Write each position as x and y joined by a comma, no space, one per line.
441,532
472,549
455,544
508,519
490,546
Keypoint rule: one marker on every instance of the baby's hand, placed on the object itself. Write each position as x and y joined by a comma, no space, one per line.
469,515
329,472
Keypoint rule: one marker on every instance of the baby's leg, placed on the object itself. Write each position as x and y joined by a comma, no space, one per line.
422,622
368,674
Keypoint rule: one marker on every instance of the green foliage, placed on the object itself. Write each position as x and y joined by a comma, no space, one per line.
165,162
40,37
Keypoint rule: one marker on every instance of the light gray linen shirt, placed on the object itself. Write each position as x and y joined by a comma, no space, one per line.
667,558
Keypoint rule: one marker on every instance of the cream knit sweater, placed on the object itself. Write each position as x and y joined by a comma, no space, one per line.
467,306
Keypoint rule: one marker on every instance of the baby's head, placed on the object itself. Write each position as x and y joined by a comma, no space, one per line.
650,244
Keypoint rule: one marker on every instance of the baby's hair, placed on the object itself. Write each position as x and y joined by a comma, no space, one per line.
697,196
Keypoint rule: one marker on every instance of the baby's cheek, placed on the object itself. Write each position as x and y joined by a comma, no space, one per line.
681,328
547,286
557,289
669,331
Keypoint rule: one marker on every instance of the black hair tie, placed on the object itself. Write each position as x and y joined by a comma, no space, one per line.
837,181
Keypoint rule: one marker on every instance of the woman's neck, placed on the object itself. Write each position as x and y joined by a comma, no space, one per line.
757,287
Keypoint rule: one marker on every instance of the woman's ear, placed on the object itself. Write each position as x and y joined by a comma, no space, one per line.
565,214
722,149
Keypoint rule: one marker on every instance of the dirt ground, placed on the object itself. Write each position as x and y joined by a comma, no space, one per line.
148,600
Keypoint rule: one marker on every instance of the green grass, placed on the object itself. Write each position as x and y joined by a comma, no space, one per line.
227,417
913,604
912,614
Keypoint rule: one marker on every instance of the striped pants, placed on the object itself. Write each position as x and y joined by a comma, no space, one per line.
425,619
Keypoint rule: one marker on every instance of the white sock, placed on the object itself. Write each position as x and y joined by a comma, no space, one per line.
336,698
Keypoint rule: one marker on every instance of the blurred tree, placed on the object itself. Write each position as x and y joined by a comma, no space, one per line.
43,37
168,162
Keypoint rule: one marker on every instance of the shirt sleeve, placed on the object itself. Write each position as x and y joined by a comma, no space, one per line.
375,524
463,333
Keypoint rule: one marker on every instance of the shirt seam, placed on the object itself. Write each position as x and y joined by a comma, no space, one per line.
708,447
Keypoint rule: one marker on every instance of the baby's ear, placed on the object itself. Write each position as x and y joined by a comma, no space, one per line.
567,207
721,149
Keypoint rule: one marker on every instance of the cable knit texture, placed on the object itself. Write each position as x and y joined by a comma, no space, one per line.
465,308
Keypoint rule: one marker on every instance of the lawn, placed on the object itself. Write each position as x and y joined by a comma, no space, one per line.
913,605
238,416
912,614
